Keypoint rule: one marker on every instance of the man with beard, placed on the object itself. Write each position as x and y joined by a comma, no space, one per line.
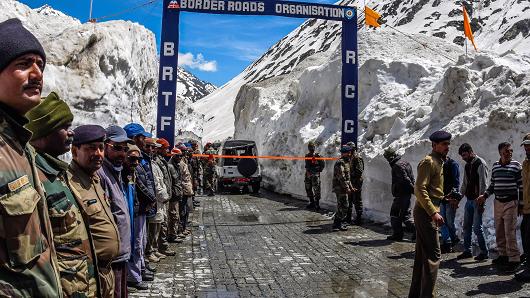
506,185
116,148
28,263
50,124
475,183
429,194
87,152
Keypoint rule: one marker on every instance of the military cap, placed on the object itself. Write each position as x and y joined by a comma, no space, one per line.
87,134
176,151
352,145
526,140
51,114
389,153
345,149
440,136
163,142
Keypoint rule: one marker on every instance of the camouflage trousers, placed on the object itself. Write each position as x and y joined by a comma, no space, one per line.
342,209
354,199
312,187
209,183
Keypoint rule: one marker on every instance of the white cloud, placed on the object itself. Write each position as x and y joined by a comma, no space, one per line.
197,62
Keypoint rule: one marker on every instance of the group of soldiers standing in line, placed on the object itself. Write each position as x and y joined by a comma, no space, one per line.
438,193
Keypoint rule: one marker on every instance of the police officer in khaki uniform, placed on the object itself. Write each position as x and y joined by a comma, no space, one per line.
50,124
429,194
87,152
28,263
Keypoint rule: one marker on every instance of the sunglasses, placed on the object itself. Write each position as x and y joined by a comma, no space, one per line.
119,147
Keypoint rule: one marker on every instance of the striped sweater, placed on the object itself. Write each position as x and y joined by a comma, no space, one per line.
506,181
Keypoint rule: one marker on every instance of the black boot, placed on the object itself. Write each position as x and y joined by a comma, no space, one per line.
311,205
358,220
317,205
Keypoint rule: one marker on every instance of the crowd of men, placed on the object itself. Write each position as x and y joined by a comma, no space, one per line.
94,227
438,190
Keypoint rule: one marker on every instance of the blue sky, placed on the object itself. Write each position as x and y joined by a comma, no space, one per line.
215,47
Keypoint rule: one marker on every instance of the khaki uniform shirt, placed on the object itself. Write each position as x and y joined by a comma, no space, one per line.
28,262
429,183
96,206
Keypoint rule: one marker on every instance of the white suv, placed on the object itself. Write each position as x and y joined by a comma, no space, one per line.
239,173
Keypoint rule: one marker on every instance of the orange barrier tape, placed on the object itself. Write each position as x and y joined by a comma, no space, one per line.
265,157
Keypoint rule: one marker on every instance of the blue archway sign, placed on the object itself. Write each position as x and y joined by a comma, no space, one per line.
167,84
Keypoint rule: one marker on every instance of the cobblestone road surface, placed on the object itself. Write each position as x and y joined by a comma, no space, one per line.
270,246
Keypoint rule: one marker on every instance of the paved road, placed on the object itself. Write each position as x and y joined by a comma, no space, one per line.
270,246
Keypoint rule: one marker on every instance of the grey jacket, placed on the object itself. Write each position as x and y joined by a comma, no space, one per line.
111,182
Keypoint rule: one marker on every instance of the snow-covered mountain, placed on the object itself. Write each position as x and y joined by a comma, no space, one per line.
107,72
409,86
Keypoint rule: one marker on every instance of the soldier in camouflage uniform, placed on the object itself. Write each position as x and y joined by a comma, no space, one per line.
28,262
342,187
50,124
354,198
313,168
196,167
209,174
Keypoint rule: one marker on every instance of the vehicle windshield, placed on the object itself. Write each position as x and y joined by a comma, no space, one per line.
239,151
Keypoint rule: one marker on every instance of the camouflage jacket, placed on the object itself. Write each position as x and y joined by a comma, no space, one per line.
341,177
209,167
313,167
356,170
195,166
28,262
96,207
75,254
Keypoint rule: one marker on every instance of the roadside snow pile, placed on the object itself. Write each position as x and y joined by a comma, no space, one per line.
406,93
107,71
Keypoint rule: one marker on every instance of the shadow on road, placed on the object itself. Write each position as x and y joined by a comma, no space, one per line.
370,243
320,229
496,288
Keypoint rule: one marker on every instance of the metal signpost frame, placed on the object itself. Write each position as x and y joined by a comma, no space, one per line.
167,86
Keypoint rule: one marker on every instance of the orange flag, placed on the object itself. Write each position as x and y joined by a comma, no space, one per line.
467,29
371,17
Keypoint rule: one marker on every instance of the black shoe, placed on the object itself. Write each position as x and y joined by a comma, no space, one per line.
335,228
168,252
510,267
446,248
465,255
310,206
455,242
174,240
413,237
317,207
395,238
481,257
138,285
148,277
211,194
523,276
358,221
343,227
500,260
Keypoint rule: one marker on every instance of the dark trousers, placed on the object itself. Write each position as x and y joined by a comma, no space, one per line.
525,237
120,277
354,199
427,257
184,212
400,214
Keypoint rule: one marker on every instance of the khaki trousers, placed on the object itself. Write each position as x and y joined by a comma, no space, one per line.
427,257
505,229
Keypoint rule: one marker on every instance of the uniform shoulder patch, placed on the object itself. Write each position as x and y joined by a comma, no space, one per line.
18,183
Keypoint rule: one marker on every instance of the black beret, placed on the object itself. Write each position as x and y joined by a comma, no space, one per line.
17,41
440,136
87,134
